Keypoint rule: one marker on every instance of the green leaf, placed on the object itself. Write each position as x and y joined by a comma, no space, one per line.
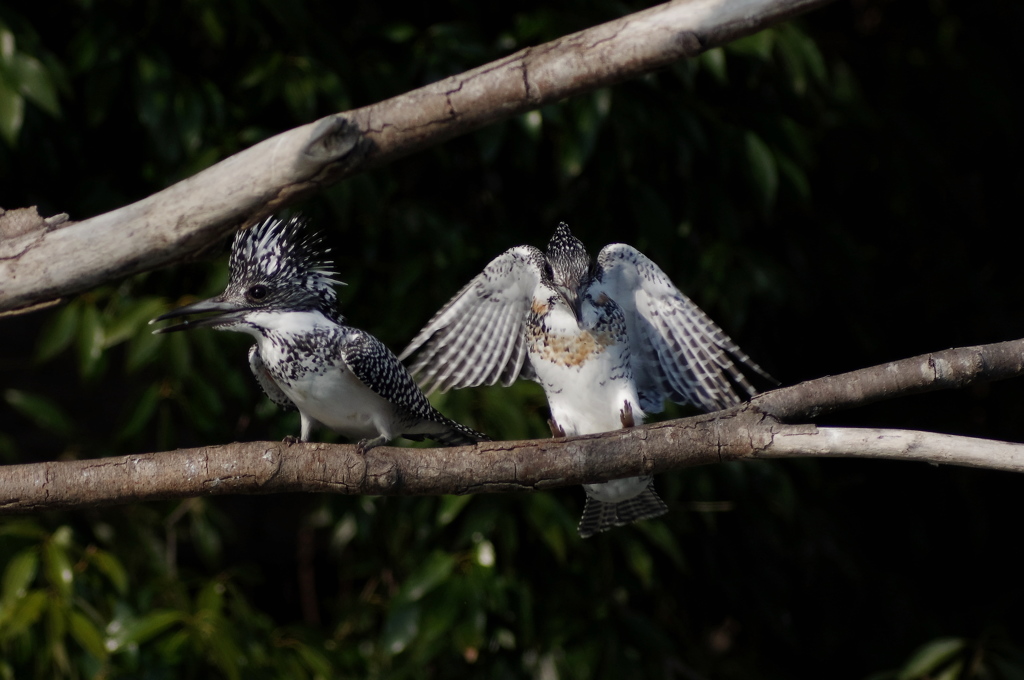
401,627
757,45
12,111
46,414
207,540
640,562
142,349
142,413
660,535
133,321
532,122
315,661
211,598
6,45
90,341
87,635
58,333
952,671
399,33
469,631
439,617
344,531
714,61
434,570
62,536
763,169
171,645
112,568
23,615
808,51
930,657
450,507
22,528
226,655
141,630
34,82
18,576
796,178
213,26
548,519
58,567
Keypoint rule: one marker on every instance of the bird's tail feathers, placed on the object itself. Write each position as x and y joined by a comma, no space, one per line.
599,516
457,434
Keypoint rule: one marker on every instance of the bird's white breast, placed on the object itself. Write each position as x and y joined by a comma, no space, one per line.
302,352
585,372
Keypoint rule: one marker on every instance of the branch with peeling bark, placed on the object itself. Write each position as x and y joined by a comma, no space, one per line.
174,224
753,431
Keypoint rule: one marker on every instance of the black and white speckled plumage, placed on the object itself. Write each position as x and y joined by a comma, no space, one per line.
306,356
602,339
286,258
266,380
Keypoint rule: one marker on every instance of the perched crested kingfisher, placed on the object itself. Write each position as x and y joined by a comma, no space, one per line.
609,342
306,355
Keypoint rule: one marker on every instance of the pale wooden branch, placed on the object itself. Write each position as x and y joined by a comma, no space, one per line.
749,431
181,220
927,447
949,369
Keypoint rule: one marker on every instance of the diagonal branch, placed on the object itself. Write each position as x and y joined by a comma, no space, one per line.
181,220
949,369
750,431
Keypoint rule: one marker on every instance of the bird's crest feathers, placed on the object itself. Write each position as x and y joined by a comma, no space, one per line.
280,254
568,257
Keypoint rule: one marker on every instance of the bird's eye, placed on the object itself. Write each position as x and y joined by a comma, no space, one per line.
258,292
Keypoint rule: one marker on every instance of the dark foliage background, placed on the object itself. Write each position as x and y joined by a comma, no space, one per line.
837,192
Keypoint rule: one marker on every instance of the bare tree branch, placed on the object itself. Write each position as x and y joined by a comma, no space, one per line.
750,431
948,369
928,447
175,223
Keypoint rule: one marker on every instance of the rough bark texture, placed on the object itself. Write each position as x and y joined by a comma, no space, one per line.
750,431
170,226
948,369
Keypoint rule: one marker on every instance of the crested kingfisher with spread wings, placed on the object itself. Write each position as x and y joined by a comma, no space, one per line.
609,341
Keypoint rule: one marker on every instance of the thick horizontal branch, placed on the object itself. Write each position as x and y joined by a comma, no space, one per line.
172,225
749,431
493,467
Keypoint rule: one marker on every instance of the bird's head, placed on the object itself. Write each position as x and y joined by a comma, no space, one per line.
275,266
570,265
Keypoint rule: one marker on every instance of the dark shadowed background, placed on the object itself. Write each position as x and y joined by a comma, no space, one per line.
836,192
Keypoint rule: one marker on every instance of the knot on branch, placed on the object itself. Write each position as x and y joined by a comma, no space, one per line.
335,141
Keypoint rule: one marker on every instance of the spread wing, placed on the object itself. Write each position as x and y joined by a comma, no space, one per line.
270,388
679,352
479,337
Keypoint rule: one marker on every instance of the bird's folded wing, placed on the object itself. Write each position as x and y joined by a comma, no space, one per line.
270,388
682,354
479,336
379,369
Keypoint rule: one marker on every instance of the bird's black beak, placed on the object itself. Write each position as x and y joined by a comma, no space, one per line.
222,312
574,301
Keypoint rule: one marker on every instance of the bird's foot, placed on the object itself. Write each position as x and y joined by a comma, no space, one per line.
289,440
556,429
364,445
626,415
